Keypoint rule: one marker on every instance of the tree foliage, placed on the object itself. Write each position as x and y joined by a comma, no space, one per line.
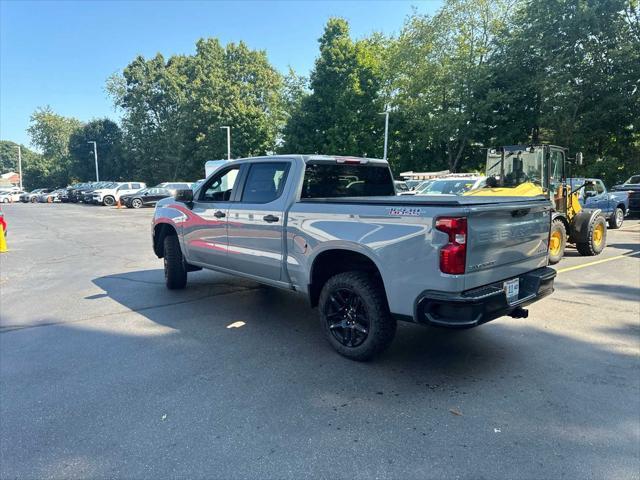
340,115
477,74
108,137
173,109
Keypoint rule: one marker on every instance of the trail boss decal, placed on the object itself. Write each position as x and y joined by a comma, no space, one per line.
405,211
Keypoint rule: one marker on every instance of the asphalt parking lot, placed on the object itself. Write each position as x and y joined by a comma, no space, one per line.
104,373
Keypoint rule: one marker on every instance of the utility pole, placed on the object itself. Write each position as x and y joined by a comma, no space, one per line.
228,129
95,156
386,132
20,165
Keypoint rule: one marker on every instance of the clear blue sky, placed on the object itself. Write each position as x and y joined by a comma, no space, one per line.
60,53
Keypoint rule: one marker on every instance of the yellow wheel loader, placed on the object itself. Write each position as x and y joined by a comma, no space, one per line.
526,171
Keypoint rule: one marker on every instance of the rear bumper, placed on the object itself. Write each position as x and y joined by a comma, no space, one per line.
480,305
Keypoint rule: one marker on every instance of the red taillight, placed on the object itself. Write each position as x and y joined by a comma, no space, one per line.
453,255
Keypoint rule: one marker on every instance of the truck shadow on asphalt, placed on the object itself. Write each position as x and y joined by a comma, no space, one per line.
230,376
242,319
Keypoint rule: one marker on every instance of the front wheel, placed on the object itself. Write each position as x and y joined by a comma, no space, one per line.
34,200
136,203
596,238
354,315
175,270
617,217
557,241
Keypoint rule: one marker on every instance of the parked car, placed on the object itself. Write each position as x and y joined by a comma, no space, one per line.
614,206
74,192
33,195
291,222
632,185
110,195
417,188
173,187
50,197
11,196
84,194
451,185
147,197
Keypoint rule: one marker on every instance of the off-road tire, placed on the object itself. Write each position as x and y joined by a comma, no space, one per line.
617,218
589,248
108,201
175,270
557,226
382,325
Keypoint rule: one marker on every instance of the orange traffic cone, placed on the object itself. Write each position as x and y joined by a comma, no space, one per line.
3,241
118,204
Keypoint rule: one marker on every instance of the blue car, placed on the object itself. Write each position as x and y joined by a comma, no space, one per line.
614,205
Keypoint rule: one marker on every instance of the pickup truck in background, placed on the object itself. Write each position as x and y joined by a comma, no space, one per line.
333,229
614,205
632,186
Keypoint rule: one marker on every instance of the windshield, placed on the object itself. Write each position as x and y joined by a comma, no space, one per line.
454,186
518,167
635,179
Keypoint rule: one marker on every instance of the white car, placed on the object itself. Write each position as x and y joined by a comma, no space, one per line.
10,196
173,187
451,185
110,196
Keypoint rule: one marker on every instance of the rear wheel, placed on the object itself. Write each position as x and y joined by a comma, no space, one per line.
557,241
596,237
175,270
354,315
109,201
136,203
617,218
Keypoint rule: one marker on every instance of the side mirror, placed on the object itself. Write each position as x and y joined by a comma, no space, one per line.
579,159
185,196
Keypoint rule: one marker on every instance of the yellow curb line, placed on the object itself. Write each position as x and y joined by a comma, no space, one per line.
596,262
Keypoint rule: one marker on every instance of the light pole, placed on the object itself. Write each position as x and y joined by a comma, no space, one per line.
20,165
95,156
228,129
386,132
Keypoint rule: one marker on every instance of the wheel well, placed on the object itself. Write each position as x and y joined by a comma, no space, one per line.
331,262
160,231
622,207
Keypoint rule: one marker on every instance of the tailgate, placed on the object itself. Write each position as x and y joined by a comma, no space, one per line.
506,240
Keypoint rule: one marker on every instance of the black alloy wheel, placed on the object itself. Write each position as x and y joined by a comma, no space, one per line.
347,318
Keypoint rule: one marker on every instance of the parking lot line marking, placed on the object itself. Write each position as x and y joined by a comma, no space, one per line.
596,262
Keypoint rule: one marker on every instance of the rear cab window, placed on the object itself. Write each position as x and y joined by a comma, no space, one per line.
326,180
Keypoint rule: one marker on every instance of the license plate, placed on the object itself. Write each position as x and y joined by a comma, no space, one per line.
512,289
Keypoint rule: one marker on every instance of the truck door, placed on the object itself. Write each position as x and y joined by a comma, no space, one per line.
205,232
256,221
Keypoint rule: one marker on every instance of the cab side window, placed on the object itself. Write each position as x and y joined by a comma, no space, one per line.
599,187
265,182
220,187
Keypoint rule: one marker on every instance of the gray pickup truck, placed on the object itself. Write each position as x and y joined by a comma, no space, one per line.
333,229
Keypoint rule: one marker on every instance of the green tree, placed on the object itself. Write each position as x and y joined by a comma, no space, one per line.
568,72
340,115
50,133
108,137
437,67
173,109
31,162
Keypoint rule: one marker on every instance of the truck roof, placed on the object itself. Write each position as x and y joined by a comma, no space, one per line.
313,158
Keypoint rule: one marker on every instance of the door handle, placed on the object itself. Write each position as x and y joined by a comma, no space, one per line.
270,218
219,214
